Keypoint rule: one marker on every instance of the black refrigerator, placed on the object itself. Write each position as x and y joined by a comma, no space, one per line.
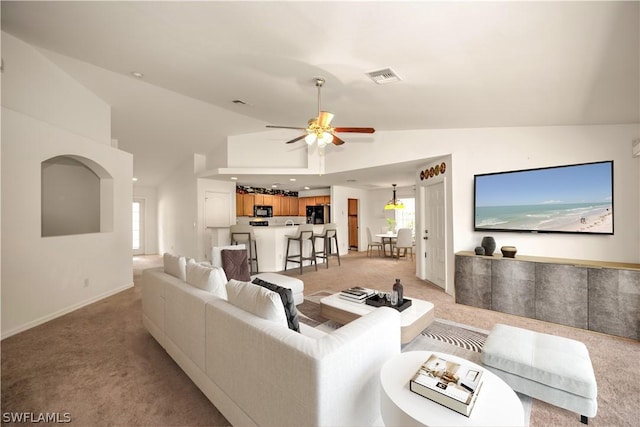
320,214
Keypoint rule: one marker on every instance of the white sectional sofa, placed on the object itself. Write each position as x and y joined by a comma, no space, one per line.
258,372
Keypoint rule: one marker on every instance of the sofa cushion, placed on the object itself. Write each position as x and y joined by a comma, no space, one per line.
235,265
206,278
175,265
287,301
256,300
216,253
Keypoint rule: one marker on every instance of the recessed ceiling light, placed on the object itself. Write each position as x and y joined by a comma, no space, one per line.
307,188
274,186
235,178
134,179
137,74
292,179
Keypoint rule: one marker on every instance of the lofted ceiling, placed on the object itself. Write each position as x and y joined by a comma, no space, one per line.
462,64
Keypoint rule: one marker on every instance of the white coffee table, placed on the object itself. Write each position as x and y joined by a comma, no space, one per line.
413,320
496,405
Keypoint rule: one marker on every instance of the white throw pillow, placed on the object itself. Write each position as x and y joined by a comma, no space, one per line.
206,278
216,253
257,300
175,265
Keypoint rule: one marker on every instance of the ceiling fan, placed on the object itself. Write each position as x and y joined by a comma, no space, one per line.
319,128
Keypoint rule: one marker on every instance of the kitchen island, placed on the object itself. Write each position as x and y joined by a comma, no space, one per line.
272,246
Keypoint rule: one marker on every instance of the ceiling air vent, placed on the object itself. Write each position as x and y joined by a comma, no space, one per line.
386,75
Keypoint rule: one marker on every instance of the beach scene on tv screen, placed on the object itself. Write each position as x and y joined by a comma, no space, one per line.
576,198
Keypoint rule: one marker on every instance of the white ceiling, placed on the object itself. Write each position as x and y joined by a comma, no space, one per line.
463,64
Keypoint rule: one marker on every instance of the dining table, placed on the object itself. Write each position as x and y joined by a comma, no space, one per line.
387,239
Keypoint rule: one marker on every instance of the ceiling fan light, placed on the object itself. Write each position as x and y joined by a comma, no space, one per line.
310,139
326,138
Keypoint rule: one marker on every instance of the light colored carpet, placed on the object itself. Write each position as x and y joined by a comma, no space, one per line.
101,365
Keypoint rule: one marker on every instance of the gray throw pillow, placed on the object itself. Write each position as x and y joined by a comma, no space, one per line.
287,301
235,265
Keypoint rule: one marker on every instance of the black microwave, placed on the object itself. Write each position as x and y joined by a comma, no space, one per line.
262,211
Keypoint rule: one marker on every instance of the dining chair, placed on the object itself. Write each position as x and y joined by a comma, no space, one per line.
404,242
372,244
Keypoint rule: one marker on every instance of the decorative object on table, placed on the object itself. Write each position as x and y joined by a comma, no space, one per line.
356,294
399,288
508,251
391,225
378,301
450,384
489,245
394,203
479,250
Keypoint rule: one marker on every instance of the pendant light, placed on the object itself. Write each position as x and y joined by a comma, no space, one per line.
394,203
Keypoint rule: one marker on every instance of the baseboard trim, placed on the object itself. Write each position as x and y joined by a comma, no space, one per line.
64,311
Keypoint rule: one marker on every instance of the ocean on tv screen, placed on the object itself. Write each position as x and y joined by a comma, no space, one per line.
567,217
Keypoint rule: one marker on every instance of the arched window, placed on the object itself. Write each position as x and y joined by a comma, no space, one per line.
76,196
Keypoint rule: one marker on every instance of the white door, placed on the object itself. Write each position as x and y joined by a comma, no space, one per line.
137,226
434,234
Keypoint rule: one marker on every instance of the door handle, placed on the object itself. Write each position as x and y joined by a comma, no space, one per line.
425,238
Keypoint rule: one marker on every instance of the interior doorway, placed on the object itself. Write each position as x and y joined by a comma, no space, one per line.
353,223
137,226
434,234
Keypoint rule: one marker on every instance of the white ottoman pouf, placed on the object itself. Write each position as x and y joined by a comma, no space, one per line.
553,369
296,285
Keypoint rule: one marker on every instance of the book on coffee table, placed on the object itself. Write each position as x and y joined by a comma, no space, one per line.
356,294
453,385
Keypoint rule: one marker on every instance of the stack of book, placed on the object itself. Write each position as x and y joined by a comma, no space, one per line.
450,384
356,294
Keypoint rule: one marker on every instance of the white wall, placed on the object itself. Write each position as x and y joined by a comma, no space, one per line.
150,197
42,90
46,114
178,213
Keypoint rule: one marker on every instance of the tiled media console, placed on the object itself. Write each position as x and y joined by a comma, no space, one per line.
593,295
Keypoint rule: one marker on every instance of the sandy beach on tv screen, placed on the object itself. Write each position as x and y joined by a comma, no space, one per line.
601,222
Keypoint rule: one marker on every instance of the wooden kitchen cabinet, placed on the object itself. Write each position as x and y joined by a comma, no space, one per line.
259,199
275,202
248,200
302,206
293,206
239,204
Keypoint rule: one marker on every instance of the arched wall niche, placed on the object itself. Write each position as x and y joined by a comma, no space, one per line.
76,196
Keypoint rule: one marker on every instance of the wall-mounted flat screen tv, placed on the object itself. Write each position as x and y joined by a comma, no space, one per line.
561,199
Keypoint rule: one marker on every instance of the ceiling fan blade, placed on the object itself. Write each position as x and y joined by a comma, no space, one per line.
296,139
337,141
324,118
286,127
355,130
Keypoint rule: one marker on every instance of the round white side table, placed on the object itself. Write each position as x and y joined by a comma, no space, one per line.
496,405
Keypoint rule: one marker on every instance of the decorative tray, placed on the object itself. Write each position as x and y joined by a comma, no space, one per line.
376,301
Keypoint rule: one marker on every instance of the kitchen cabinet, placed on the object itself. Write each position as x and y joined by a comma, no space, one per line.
239,204
259,200
302,206
247,204
275,202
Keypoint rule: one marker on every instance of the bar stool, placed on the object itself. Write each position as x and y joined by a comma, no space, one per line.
241,233
304,233
329,231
